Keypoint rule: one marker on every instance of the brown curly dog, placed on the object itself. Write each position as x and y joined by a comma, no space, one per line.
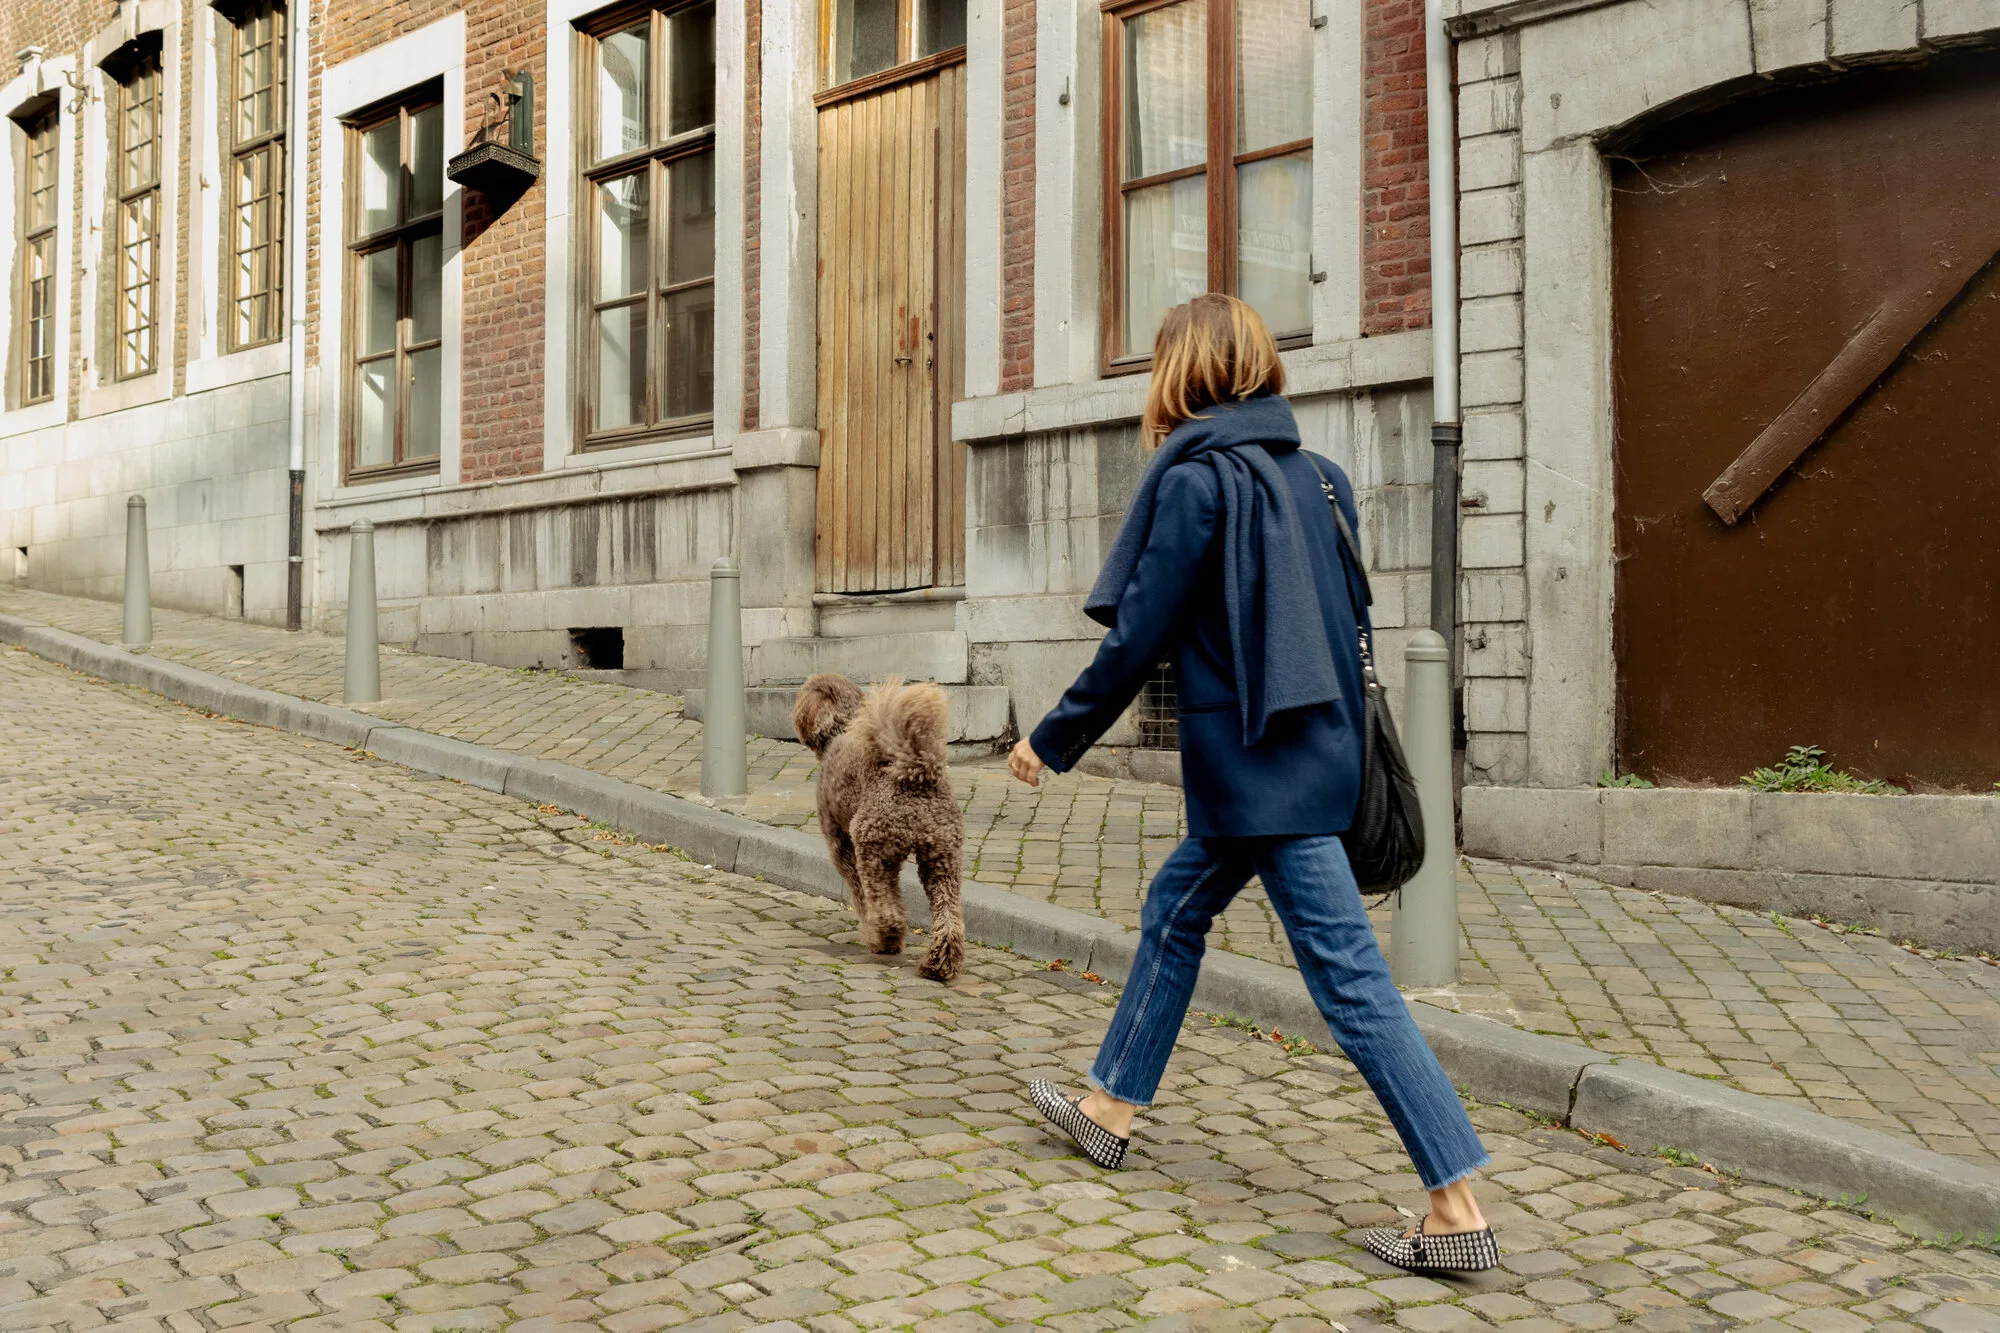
884,796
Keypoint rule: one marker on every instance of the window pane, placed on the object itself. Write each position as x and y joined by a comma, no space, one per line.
255,246
420,432
690,376
259,47
1166,255
864,38
691,69
940,26
426,161
621,367
41,318
426,289
1274,240
137,262
621,237
42,175
622,62
1166,90
381,177
691,224
139,130
375,320
1273,73
374,429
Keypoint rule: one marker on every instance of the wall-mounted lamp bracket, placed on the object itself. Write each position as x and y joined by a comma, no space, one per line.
504,170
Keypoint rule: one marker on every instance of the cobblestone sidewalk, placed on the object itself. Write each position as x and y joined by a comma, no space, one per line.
297,1039
1855,1025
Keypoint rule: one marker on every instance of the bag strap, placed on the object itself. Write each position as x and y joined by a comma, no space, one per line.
1354,554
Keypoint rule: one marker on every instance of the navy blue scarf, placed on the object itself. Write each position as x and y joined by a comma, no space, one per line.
1281,655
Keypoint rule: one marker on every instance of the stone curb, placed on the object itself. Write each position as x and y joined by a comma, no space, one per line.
1635,1102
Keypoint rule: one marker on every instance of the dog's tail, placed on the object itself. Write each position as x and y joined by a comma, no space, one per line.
826,705
908,724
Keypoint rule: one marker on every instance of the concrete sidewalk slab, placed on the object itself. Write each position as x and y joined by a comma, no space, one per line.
1634,1102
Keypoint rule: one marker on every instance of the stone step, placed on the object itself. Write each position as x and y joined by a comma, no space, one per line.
979,713
940,655
850,617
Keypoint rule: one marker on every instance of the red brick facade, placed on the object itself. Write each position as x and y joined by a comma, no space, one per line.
1017,235
503,302
753,204
1395,185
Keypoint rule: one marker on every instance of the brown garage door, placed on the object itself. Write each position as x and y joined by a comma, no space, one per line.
1808,343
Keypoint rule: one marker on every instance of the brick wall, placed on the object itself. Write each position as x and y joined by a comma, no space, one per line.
1017,243
502,263
60,28
753,204
1395,190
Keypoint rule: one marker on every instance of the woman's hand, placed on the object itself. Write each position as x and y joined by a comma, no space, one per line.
1025,764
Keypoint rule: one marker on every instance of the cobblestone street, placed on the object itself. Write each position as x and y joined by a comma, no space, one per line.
293,1037
1852,1024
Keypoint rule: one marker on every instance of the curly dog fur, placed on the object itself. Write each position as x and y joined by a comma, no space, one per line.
884,797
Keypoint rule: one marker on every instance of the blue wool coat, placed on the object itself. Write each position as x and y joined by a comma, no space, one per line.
1303,775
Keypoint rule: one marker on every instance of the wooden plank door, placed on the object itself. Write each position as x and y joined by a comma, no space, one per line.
891,336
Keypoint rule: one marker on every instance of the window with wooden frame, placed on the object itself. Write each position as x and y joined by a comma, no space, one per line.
395,285
1208,164
254,111
863,38
135,170
646,299
37,250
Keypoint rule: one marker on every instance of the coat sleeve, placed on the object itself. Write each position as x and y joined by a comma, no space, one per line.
1185,520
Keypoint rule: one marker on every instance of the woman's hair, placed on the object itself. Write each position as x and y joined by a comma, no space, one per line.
1215,349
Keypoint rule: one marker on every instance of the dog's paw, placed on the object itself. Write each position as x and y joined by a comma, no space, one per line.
883,941
943,959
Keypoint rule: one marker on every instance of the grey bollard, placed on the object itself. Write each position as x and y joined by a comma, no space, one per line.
364,637
725,754
138,578
1424,938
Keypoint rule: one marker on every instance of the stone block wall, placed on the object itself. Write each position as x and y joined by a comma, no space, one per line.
1494,594
508,584
212,469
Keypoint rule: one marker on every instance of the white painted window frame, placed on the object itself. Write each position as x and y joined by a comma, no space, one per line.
561,449
436,50
104,392
40,77
209,365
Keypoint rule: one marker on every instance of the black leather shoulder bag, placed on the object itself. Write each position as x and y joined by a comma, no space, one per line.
1385,843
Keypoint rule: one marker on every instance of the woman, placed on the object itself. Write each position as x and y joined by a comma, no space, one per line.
1230,564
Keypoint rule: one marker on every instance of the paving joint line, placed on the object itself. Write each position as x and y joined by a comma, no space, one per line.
1626,1099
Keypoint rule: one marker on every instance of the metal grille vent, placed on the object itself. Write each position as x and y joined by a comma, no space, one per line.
1159,723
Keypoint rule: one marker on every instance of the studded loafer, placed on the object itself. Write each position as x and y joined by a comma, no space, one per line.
1453,1252
1099,1144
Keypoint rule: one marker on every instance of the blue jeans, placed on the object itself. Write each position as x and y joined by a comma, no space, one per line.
1313,890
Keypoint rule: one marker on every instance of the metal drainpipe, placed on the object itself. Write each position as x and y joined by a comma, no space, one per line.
1446,428
297,138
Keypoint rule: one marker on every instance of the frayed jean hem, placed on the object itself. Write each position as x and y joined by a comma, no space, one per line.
1094,1081
1484,1161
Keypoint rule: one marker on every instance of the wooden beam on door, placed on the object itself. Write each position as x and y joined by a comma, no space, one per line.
1874,348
